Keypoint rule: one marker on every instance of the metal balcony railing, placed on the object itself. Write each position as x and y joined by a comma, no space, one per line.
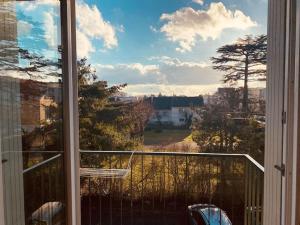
44,189
161,186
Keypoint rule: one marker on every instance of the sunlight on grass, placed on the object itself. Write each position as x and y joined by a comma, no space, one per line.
165,137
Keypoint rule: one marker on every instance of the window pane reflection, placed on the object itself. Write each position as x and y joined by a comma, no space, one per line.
31,112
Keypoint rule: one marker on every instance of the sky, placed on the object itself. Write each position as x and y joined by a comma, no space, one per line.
163,46
155,46
38,31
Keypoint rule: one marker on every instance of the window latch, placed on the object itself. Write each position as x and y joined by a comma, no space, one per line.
281,168
284,117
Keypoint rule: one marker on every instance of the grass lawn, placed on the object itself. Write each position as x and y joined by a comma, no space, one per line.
165,137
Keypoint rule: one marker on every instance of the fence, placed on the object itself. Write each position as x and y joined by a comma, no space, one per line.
161,186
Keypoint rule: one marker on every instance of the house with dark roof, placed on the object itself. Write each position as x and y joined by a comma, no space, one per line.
175,111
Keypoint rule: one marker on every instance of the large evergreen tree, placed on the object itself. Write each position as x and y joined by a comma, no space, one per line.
106,124
244,61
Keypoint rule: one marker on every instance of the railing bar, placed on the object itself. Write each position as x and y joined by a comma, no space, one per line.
110,196
258,201
175,180
50,193
121,190
164,187
131,193
250,196
43,198
31,152
246,178
90,203
165,153
153,183
143,187
41,163
204,154
232,187
210,191
100,207
253,161
262,199
254,209
220,175
186,180
187,186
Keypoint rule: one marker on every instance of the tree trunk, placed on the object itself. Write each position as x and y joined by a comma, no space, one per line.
245,90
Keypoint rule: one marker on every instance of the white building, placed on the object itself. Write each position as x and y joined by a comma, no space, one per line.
175,110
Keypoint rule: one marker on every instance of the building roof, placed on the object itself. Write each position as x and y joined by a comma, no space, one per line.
167,102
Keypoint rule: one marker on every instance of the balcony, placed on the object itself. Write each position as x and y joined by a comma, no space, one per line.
161,185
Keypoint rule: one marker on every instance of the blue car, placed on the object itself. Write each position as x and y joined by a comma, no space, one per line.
204,214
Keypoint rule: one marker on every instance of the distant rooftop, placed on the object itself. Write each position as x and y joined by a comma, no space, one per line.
167,102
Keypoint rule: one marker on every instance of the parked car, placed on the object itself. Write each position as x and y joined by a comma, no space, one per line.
204,214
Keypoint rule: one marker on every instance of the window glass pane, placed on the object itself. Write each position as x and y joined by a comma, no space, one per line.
31,134
181,84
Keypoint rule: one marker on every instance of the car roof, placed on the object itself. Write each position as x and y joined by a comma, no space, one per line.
211,214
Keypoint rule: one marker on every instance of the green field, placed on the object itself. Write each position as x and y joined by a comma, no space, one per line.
165,137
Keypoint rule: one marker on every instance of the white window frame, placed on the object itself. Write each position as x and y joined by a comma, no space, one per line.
282,190
295,187
70,110
71,129
1,189
274,111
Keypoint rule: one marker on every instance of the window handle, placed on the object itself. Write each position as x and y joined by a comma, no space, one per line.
281,168
4,160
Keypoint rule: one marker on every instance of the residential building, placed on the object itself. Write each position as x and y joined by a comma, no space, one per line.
256,97
177,111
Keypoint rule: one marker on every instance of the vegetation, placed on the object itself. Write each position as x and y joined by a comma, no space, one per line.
106,124
244,61
165,137
165,185
220,132
224,126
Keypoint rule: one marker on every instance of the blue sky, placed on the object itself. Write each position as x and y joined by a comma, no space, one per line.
155,46
138,41
164,46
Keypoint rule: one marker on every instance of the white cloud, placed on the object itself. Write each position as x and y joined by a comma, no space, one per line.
31,6
103,66
143,69
50,29
169,89
24,28
91,23
164,75
134,73
178,63
165,89
137,67
200,2
187,24
162,70
84,45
